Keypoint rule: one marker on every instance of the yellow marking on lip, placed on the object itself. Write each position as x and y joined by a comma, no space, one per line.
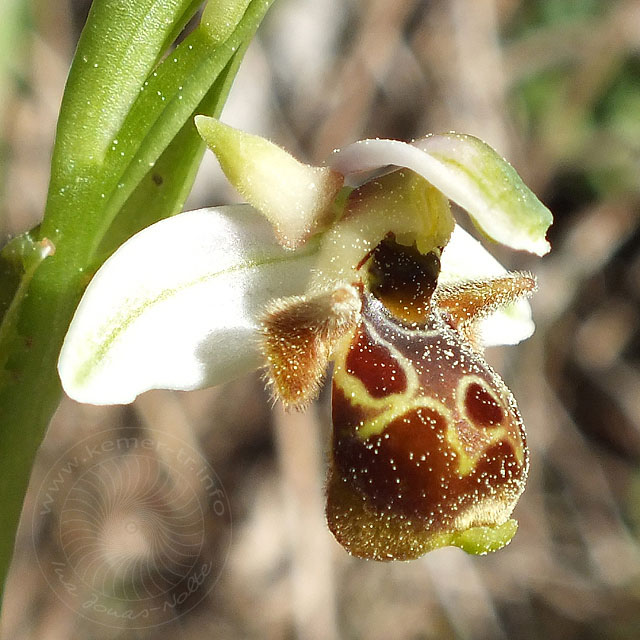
394,406
467,462
355,390
377,425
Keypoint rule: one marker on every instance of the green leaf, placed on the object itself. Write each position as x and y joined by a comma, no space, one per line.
106,171
165,187
92,178
220,17
119,47
14,43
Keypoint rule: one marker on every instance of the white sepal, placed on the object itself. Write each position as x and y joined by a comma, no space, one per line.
178,306
470,173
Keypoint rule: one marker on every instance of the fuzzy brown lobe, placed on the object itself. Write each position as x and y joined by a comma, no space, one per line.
298,336
468,302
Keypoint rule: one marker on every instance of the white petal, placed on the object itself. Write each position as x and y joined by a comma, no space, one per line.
296,198
464,258
468,172
177,306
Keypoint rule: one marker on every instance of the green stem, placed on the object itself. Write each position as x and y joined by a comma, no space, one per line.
91,185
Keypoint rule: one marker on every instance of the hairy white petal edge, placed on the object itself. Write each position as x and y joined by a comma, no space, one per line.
470,173
464,258
178,306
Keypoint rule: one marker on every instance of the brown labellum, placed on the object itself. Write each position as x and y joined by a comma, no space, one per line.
428,445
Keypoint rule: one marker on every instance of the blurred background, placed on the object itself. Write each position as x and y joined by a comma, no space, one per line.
107,540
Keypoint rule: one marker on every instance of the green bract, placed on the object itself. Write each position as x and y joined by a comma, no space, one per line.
125,156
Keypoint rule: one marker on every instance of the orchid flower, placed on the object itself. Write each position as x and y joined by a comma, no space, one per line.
378,278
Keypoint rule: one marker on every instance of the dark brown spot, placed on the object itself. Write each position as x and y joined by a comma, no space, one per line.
403,468
411,471
403,279
374,366
481,407
157,178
